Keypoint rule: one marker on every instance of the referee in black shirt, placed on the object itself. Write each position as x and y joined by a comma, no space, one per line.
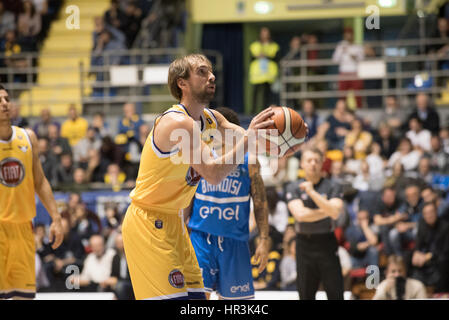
316,202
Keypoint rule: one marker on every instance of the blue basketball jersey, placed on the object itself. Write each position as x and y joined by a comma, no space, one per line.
223,209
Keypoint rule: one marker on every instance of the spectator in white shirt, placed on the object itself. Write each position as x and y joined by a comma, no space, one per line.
348,55
405,154
97,267
419,137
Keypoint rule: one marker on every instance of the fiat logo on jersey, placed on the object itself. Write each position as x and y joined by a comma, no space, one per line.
12,172
176,279
192,177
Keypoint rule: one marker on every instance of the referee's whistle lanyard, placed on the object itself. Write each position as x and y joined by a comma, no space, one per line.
220,241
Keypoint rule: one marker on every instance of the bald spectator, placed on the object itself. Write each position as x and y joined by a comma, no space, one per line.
75,127
131,121
41,127
428,115
97,267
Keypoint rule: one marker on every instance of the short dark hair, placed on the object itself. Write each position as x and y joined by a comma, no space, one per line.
430,203
2,87
229,114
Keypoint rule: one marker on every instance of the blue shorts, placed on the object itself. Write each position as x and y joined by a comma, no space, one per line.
225,265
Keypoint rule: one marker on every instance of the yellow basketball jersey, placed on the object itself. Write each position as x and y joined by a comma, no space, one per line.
17,198
163,184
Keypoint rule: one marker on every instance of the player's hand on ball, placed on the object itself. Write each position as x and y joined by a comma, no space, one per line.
261,120
56,235
306,186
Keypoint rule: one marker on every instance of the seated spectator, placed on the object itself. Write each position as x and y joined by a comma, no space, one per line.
376,162
70,252
97,267
96,167
16,118
352,166
63,172
29,23
13,48
100,125
405,154
58,145
135,148
396,286
47,158
311,117
132,22
75,127
386,216
439,159
111,220
82,148
392,115
7,21
114,16
108,41
424,174
430,260
79,181
428,194
111,152
114,177
358,139
86,223
365,181
287,267
428,115
270,278
405,229
419,137
388,143
41,127
397,179
120,280
129,124
337,126
363,241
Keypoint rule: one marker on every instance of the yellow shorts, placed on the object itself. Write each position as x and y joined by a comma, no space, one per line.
161,259
17,260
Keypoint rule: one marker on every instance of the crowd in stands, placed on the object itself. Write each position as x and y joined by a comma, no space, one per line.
129,24
395,175
23,26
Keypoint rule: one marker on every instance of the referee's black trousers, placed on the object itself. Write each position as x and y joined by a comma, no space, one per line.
317,262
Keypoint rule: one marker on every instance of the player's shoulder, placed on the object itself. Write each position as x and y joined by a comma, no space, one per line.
174,119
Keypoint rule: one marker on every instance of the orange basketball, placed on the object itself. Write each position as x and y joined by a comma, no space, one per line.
291,131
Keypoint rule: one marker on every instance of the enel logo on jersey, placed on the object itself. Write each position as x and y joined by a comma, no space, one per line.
223,213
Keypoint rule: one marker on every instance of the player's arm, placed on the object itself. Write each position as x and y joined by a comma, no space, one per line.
260,213
43,190
178,131
332,207
223,124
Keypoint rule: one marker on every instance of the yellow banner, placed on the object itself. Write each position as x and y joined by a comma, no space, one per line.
227,11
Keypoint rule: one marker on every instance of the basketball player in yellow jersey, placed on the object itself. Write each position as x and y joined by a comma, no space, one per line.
160,256
21,176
